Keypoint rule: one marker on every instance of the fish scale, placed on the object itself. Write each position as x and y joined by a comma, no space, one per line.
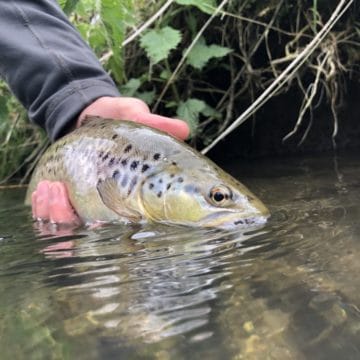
119,170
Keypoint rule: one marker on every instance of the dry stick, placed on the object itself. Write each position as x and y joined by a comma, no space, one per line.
246,60
186,53
256,22
5,187
286,74
41,148
138,31
312,90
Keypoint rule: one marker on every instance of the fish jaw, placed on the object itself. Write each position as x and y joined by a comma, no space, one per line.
234,220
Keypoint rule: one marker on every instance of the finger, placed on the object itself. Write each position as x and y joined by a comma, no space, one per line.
61,211
42,200
174,127
122,108
33,204
128,108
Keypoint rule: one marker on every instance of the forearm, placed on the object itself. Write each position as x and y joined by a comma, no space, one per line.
47,65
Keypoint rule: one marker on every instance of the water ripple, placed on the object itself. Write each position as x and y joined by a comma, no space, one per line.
287,290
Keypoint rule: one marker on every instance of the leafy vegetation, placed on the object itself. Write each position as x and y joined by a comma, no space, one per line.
204,61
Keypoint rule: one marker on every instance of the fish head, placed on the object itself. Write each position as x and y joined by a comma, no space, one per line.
206,197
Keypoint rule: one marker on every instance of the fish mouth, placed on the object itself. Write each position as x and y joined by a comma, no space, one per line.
231,220
255,220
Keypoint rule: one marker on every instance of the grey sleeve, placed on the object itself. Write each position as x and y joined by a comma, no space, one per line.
47,65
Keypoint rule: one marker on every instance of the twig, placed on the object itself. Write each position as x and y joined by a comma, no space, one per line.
5,187
286,74
247,64
138,31
312,89
260,23
186,53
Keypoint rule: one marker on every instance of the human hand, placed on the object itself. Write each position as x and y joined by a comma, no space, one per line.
50,200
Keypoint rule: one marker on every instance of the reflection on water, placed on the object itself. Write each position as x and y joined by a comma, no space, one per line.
289,290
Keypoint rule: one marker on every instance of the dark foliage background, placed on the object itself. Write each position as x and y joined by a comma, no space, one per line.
206,61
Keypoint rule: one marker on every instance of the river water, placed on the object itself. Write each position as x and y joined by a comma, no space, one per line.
290,290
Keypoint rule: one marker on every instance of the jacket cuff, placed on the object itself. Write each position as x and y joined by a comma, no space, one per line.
63,109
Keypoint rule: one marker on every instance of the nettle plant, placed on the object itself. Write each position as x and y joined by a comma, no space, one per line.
206,61
155,51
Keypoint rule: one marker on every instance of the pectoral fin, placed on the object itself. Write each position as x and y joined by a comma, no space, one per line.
111,197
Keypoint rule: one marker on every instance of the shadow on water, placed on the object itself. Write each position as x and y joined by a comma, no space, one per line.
289,290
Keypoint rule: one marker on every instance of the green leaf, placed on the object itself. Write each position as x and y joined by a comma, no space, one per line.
158,43
206,6
165,74
131,87
202,53
113,15
190,111
4,112
97,36
147,96
68,5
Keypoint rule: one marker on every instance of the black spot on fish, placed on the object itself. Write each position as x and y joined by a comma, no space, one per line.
106,156
145,167
124,162
124,180
159,194
174,163
238,222
151,186
112,161
180,180
114,136
156,156
168,186
172,175
101,153
116,175
160,181
132,184
128,148
134,165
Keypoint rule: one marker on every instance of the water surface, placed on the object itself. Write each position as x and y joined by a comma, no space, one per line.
289,290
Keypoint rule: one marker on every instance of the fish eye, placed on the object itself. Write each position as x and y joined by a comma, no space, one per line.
220,195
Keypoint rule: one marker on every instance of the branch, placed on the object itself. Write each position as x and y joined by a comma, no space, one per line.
286,74
186,53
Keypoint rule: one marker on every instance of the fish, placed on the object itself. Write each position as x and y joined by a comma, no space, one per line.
122,171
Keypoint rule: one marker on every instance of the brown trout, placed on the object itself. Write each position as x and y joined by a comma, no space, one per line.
120,170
